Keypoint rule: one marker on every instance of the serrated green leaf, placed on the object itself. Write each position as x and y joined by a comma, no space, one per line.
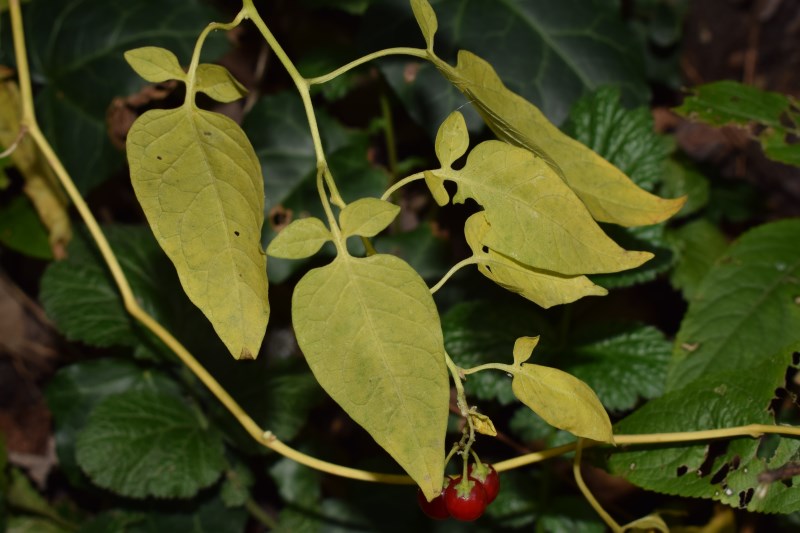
562,400
650,239
779,146
621,363
481,331
300,239
199,183
727,101
370,332
81,77
218,83
540,286
625,137
155,64
114,520
699,244
609,195
533,216
142,443
681,179
426,19
745,306
236,488
452,139
729,472
523,348
367,217
80,297
76,389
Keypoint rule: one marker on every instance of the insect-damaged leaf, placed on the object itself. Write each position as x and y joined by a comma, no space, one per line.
560,399
155,64
533,216
367,217
371,334
609,195
300,239
199,183
540,286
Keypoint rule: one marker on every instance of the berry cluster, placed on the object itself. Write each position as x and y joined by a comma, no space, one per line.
464,500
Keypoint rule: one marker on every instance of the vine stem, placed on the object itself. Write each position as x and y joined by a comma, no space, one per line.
472,260
576,472
402,50
402,183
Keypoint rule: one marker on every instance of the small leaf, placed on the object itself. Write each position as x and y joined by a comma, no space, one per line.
141,444
155,64
436,186
482,424
367,217
235,490
523,348
609,194
533,216
452,139
727,101
300,239
370,332
540,286
199,183
563,401
22,230
218,83
426,18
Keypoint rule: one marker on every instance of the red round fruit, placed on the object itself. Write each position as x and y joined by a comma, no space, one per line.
435,508
465,501
488,477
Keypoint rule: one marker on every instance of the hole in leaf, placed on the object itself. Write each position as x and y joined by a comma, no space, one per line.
721,474
681,470
715,449
745,497
787,481
159,157
767,446
735,462
796,358
236,233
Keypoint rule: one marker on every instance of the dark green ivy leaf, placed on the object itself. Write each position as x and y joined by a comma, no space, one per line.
145,443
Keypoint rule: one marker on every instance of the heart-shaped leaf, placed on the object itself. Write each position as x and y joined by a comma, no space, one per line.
155,64
367,217
300,239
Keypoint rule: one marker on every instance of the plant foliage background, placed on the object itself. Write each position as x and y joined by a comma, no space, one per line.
703,336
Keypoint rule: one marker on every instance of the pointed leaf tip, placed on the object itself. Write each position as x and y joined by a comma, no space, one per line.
523,348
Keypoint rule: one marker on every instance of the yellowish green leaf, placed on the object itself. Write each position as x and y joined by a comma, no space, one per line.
300,239
647,523
371,334
482,423
218,83
436,186
523,348
539,286
609,194
200,185
562,400
534,217
41,184
426,18
367,217
452,139
155,64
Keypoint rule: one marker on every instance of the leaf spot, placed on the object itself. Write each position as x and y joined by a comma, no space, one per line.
159,157
690,346
681,470
236,233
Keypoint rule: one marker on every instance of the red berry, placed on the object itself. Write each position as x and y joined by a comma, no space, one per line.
435,508
488,477
465,501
